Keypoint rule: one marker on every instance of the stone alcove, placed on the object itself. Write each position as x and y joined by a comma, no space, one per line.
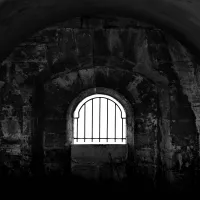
97,156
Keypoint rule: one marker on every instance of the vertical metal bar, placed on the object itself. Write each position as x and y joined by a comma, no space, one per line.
77,131
122,130
84,121
92,120
107,120
99,119
115,122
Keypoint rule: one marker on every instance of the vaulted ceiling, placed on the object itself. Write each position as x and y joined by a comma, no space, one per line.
20,18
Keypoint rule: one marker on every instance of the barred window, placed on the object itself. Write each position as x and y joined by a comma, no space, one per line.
99,119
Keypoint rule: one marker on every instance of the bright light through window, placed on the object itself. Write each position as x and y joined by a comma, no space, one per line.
99,119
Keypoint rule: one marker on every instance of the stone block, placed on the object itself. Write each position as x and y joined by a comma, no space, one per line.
87,77
30,53
177,51
100,40
55,126
54,139
84,46
159,53
145,155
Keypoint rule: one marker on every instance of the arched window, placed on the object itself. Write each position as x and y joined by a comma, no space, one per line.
99,119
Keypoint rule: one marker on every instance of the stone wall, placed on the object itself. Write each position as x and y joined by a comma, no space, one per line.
156,74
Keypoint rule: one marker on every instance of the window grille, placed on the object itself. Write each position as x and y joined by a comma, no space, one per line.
99,119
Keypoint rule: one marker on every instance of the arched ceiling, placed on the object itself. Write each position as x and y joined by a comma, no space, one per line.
20,18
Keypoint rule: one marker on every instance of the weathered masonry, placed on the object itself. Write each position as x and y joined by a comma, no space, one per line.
152,75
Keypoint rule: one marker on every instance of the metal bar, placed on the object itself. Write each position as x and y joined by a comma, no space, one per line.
101,138
77,130
99,119
92,120
122,128
107,120
115,122
84,121
74,124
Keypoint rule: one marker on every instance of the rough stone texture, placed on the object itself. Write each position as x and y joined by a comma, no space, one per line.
156,74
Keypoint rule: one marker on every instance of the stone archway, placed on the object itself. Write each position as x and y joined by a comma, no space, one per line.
97,162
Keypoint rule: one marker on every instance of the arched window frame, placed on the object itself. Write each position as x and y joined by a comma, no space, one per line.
103,91
122,118
78,108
